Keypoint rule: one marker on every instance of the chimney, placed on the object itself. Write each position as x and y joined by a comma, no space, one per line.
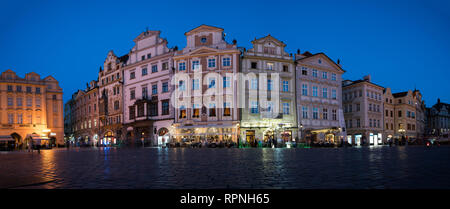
298,51
367,78
439,101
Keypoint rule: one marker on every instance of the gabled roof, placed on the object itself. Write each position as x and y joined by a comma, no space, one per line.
49,78
146,33
400,94
271,38
308,55
204,27
360,81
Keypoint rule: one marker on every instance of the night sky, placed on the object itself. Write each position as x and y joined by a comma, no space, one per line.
402,44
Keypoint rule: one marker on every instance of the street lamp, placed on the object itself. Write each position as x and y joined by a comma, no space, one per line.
301,134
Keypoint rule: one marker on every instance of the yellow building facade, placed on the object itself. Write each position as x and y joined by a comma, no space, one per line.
31,105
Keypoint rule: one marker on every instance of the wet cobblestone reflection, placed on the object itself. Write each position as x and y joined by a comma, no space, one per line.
153,168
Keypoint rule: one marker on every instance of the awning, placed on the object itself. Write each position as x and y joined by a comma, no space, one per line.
206,126
6,138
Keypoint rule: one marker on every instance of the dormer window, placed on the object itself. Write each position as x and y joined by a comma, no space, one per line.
203,40
320,61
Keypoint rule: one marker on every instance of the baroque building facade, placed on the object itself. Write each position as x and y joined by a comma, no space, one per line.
110,103
148,113
205,99
31,105
86,115
363,111
438,120
267,64
319,101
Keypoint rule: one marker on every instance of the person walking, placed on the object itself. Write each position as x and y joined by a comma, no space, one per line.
38,145
29,145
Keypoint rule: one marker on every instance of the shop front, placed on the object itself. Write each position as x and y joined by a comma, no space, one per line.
206,133
108,139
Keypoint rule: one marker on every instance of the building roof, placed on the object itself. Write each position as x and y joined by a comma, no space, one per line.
360,81
308,55
204,27
400,94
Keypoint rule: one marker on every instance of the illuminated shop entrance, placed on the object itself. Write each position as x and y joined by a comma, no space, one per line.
268,135
163,136
108,139
250,137
286,136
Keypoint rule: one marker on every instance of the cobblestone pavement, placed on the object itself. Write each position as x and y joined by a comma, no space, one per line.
155,168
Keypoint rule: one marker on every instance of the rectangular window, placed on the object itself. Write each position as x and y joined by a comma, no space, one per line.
305,112
132,112
358,123
10,88
165,66
254,65
211,63
116,105
212,110
315,113
181,66
144,71
10,101
324,75
195,65
182,112
19,118
152,109
132,94
333,94
181,86
10,118
286,108
315,91
270,66
254,84
38,90
165,107
19,102
154,68
325,114
195,84
333,76
154,89
144,92
195,110
165,87
226,62
314,73
226,82
334,114
304,90
212,83
28,89
269,85
254,107
132,75
226,109
285,68
19,88
286,86
325,92
38,102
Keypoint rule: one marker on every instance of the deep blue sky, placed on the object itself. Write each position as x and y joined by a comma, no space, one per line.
402,44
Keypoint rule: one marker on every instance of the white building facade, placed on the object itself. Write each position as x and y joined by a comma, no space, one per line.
319,101
148,113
